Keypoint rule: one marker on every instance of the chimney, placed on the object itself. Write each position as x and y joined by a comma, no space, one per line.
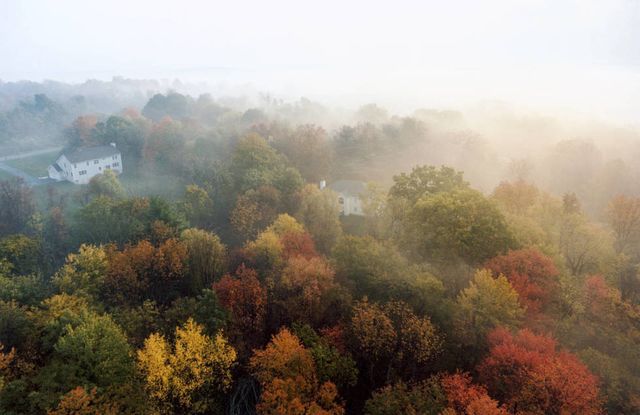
323,184
112,144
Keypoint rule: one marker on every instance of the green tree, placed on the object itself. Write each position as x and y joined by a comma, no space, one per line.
207,258
461,224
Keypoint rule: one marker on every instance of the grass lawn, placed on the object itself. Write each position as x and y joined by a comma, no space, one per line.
5,176
34,165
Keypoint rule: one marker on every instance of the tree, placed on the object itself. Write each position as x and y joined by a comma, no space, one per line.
190,376
425,181
143,271
424,398
486,304
94,353
303,287
533,275
198,206
461,224
79,402
319,213
583,244
16,206
623,214
287,375
83,273
105,184
24,254
246,300
528,374
465,398
207,258
516,197
391,341
308,150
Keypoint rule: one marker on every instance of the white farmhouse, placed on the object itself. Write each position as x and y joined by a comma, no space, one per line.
349,196
80,165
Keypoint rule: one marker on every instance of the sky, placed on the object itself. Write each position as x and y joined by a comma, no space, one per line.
582,55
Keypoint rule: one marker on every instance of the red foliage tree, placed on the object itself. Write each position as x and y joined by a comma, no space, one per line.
532,274
246,300
466,398
530,376
298,244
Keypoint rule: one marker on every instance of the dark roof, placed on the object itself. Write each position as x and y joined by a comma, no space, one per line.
90,153
352,187
58,169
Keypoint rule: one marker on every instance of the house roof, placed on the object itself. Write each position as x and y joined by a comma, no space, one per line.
57,167
352,187
90,153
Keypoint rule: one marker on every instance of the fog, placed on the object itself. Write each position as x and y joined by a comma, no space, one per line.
571,56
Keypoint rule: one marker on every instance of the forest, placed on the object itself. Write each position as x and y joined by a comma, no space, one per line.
494,270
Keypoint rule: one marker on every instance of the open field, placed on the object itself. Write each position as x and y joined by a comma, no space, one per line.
35,165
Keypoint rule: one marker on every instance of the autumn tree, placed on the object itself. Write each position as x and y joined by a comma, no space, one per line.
533,275
308,149
623,215
391,341
485,304
516,197
246,300
83,273
319,213
301,291
80,402
143,271
197,206
207,258
16,206
529,374
463,397
189,376
286,372
105,184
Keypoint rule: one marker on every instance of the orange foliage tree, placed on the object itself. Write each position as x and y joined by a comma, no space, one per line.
287,374
529,375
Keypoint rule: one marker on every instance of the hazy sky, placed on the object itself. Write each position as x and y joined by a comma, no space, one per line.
560,53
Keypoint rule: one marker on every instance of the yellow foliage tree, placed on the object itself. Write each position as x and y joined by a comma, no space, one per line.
191,375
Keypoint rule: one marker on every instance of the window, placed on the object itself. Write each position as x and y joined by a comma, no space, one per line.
96,161
75,166
114,157
100,168
116,164
87,163
341,200
82,172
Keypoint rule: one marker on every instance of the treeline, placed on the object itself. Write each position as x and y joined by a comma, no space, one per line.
250,294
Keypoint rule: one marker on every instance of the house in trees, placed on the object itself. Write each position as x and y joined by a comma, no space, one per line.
349,196
81,164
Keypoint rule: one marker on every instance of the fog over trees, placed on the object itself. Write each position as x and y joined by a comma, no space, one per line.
287,208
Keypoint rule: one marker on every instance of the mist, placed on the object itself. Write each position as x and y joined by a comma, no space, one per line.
336,207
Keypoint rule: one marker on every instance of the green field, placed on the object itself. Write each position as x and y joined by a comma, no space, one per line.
4,175
34,165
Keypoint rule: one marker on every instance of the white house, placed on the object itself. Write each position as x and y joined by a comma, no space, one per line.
349,196
80,165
